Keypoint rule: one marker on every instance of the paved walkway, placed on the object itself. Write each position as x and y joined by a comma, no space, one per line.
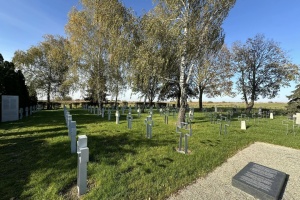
217,185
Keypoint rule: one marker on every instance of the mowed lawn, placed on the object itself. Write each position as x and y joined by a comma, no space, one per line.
36,162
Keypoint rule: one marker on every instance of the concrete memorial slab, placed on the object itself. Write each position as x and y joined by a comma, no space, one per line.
10,108
260,181
271,116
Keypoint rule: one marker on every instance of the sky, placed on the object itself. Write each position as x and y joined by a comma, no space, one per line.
23,23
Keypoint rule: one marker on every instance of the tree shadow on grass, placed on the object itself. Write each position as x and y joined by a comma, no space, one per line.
30,162
211,143
112,148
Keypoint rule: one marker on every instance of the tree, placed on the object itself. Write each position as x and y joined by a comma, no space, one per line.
145,60
46,65
294,101
98,34
262,67
12,82
190,21
213,74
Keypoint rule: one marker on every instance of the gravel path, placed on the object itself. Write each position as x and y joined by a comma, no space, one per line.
217,185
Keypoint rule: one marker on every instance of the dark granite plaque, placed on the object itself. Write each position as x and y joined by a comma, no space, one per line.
260,181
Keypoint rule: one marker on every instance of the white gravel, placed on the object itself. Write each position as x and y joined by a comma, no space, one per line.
217,185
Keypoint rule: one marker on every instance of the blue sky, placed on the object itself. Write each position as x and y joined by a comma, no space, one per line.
24,22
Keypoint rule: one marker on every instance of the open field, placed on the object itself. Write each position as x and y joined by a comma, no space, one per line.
36,162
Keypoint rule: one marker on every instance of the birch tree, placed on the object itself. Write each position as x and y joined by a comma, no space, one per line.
98,34
190,21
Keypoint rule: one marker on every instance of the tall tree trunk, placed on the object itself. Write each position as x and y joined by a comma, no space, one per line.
48,96
249,106
116,102
182,82
144,105
178,98
200,98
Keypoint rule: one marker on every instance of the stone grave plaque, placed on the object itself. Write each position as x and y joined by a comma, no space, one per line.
260,181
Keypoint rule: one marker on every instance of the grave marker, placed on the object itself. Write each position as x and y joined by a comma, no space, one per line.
21,113
139,112
69,122
149,125
166,117
243,125
129,120
117,117
108,114
26,111
184,127
160,111
83,158
73,132
260,181
298,118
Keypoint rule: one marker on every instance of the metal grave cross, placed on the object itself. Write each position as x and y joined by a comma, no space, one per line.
149,125
179,129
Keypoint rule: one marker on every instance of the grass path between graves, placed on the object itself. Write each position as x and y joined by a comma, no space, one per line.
36,162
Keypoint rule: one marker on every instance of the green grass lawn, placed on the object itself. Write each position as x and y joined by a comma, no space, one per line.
36,162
